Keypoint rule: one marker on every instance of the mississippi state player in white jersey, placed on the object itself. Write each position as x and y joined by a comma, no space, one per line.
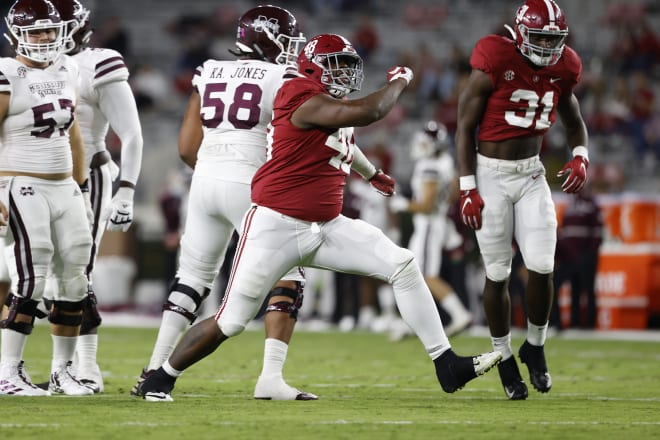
223,137
506,107
105,100
434,185
43,179
296,216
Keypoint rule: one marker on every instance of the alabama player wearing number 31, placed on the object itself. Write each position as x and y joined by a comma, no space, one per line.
295,217
511,96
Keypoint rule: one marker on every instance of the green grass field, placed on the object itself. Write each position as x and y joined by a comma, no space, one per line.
369,388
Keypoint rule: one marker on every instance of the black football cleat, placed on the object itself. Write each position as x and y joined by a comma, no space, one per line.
454,371
514,386
534,358
135,391
157,387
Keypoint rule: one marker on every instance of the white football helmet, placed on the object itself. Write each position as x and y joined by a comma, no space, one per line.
27,18
429,141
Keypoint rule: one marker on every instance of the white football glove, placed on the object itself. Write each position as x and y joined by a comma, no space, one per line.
121,215
399,204
400,72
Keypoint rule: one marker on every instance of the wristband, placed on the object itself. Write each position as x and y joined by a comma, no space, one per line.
581,151
84,187
467,183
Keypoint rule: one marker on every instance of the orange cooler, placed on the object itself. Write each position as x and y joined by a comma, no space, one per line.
640,218
610,208
627,285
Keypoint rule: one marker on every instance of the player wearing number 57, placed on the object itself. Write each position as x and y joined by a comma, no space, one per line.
516,88
43,156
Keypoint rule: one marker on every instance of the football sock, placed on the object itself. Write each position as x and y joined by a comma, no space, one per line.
86,348
536,334
503,345
64,348
171,327
275,352
11,348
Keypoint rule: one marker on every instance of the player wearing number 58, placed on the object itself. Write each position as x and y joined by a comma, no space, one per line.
517,86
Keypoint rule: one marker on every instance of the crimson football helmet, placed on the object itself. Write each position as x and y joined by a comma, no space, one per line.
269,33
540,31
432,139
27,18
333,61
77,27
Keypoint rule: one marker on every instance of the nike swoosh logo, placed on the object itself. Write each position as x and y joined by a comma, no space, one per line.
466,203
554,80
508,393
536,176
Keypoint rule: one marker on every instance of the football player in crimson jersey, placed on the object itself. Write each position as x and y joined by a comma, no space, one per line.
45,185
295,218
507,105
105,100
223,137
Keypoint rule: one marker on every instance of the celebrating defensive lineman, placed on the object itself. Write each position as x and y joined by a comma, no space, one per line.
44,182
296,216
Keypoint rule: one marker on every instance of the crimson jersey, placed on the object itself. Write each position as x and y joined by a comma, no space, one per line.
524,98
305,172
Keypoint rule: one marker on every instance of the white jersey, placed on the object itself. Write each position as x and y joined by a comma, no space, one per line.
236,107
97,68
35,135
434,169
432,231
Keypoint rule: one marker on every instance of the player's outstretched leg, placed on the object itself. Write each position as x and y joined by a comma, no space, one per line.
455,371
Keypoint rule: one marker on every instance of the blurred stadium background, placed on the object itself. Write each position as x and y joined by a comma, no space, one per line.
164,40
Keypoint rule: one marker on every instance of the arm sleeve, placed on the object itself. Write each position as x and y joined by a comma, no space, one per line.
361,164
117,103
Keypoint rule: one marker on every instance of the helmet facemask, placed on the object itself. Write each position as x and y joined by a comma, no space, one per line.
538,54
289,48
342,72
37,52
78,32
430,141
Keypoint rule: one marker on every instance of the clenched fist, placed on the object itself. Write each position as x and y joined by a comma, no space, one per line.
383,183
400,72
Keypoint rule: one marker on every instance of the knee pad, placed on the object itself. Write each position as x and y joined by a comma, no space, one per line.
74,288
498,271
540,263
91,318
66,313
183,298
230,329
73,279
284,306
408,271
23,306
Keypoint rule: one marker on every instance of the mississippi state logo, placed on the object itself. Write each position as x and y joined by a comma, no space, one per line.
509,75
263,23
26,191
